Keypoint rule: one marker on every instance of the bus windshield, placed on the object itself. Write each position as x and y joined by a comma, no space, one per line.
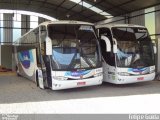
135,48
74,46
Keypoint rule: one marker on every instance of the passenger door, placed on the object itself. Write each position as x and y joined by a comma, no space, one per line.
46,59
108,57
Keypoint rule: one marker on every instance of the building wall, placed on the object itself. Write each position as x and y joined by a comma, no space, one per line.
137,17
6,48
157,20
132,18
114,20
8,24
6,56
157,31
25,24
0,55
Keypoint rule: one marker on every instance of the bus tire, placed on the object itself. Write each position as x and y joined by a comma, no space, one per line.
17,72
37,82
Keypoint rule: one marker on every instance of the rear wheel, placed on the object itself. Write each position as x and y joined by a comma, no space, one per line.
17,72
37,82
39,79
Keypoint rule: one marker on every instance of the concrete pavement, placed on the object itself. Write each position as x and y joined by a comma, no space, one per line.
20,95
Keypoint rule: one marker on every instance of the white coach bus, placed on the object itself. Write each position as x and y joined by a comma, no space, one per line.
60,55
128,53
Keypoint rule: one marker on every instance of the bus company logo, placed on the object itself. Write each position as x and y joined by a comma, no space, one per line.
139,70
9,117
142,30
86,28
77,73
25,58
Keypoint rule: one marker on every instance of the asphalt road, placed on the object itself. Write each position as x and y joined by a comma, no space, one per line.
15,89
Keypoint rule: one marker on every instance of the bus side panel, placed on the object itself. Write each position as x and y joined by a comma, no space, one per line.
27,63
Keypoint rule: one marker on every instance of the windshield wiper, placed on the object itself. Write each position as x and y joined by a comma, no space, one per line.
86,59
70,65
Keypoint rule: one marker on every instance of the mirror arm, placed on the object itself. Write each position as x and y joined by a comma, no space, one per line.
48,46
154,47
108,43
114,45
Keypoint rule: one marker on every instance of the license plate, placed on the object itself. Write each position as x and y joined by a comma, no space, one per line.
81,83
140,78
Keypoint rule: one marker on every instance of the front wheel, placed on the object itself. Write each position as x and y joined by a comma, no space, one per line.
17,72
39,79
37,83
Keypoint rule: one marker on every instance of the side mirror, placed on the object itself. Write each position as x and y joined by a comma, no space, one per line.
48,46
114,48
154,47
114,45
97,32
108,43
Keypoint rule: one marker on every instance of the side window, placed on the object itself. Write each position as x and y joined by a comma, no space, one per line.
43,34
36,42
40,33
36,35
109,57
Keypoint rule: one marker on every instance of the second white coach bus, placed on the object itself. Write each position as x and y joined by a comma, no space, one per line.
60,55
128,53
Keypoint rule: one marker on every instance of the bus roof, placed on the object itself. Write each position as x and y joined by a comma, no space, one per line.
119,25
65,22
56,22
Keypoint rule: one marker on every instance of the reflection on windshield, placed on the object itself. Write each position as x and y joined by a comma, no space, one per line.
134,47
74,46
63,56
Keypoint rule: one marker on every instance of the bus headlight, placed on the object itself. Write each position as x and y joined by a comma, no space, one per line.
123,73
98,74
152,71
